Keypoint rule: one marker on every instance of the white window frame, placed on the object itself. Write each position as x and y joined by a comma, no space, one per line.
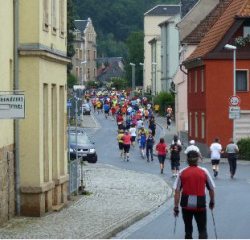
246,31
46,15
196,125
203,125
53,16
190,124
189,83
202,80
247,73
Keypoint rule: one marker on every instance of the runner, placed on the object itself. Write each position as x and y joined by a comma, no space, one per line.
232,150
106,109
216,150
126,145
132,132
161,149
192,147
190,188
142,143
168,121
120,142
175,150
152,126
149,146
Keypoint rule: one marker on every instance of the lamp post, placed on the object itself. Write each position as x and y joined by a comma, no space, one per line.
133,79
84,62
154,64
142,64
233,48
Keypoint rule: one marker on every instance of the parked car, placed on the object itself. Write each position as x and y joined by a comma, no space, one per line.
84,147
86,109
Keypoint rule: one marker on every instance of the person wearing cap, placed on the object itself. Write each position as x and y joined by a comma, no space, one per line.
190,186
193,147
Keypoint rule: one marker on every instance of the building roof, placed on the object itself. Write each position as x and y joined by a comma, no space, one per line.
81,25
205,25
186,6
164,10
237,8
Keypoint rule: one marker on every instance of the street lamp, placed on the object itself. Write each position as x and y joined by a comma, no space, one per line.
233,48
133,79
143,84
154,64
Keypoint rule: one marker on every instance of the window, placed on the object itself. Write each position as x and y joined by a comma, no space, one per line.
241,80
45,15
246,31
190,124
203,125
53,16
81,54
88,55
77,71
189,83
195,81
88,74
62,17
77,53
196,125
202,80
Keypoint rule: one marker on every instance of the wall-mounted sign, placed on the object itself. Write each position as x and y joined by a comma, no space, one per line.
12,106
234,100
234,112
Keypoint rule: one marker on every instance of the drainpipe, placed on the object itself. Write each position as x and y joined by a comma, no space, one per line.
16,122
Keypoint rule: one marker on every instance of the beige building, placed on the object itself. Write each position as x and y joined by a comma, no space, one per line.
152,36
7,185
38,28
84,60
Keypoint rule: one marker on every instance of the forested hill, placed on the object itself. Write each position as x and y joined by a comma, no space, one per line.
114,20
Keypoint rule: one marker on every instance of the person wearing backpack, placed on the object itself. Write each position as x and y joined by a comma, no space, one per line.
175,150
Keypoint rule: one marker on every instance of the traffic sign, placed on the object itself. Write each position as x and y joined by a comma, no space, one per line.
234,100
234,112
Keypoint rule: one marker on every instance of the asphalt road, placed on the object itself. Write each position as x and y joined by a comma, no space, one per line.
232,212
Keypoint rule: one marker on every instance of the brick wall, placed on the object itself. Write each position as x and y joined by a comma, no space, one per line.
7,184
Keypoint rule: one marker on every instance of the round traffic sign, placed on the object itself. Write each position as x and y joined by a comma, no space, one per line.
234,100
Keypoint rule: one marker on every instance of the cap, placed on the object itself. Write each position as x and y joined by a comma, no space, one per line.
192,142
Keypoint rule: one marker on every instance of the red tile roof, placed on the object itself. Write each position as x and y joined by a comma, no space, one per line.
205,25
237,8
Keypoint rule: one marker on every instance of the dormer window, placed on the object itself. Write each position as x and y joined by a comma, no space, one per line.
246,31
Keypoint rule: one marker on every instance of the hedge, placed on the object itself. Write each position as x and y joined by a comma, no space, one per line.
164,99
244,148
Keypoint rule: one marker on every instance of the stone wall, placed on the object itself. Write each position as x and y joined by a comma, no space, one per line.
7,184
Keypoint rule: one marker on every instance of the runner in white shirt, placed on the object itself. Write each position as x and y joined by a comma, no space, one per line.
216,150
132,131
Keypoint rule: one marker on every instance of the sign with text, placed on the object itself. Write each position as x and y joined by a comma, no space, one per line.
234,100
234,112
12,106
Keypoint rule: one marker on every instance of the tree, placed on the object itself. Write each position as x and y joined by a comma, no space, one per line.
71,80
135,45
119,83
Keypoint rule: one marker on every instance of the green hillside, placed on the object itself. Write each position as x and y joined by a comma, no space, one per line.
115,20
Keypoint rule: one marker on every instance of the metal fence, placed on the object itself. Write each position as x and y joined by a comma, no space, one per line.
74,176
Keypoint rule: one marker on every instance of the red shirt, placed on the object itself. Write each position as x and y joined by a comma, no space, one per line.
126,139
161,148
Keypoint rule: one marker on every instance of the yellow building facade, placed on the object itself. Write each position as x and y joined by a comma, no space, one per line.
7,186
43,77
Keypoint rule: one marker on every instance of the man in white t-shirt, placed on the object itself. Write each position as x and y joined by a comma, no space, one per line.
132,132
192,147
216,150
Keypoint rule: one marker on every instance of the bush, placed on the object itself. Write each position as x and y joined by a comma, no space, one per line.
164,99
244,148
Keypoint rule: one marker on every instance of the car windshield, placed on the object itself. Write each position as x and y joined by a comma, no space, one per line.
81,139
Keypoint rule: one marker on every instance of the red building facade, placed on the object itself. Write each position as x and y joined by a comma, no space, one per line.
211,79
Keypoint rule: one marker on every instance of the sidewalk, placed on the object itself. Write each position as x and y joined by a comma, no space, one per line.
117,199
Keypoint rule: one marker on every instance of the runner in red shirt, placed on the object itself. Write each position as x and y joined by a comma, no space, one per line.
126,144
161,149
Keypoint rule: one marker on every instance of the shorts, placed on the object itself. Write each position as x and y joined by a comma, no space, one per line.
133,138
126,148
143,145
106,111
146,117
175,164
120,146
215,161
162,158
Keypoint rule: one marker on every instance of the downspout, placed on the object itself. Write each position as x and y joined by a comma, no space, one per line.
16,122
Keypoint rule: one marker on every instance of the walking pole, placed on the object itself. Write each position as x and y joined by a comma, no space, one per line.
215,232
175,224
